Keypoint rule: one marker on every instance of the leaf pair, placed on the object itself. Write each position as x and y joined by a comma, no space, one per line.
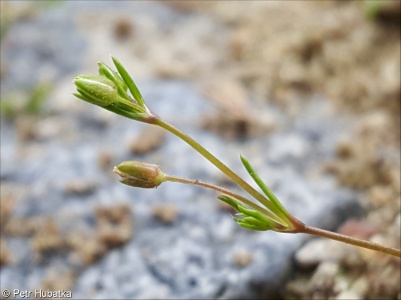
278,218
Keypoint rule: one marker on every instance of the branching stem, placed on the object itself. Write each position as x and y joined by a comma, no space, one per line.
223,191
220,165
299,227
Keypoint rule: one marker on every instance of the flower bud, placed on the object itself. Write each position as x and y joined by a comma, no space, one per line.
96,89
140,174
109,91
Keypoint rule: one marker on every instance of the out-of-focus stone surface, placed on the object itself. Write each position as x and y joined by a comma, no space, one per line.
321,250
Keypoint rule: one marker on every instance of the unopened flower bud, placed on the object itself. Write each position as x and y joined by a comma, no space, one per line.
140,174
96,89
109,90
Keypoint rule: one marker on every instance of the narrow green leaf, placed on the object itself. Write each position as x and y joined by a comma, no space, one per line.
253,213
251,227
229,200
253,221
273,199
245,210
129,82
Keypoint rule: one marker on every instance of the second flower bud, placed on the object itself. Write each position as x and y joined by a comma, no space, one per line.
140,174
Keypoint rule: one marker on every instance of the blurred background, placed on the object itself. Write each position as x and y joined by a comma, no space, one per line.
308,91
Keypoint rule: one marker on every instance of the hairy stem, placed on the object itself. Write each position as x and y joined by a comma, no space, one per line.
350,240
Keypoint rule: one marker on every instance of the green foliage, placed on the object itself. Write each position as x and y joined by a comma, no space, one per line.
11,13
31,103
249,218
372,8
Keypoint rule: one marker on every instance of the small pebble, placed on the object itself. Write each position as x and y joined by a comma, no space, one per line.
166,213
321,250
242,258
348,295
344,149
360,286
359,229
123,29
325,274
5,254
79,187
105,159
151,138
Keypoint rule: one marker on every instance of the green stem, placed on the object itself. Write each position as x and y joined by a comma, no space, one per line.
350,240
224,191
216,162
297,226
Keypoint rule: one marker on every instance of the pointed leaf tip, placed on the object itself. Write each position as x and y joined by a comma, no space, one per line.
129,82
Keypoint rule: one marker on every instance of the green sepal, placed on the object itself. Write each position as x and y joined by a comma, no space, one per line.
96,89
128,109
113,76
78,95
